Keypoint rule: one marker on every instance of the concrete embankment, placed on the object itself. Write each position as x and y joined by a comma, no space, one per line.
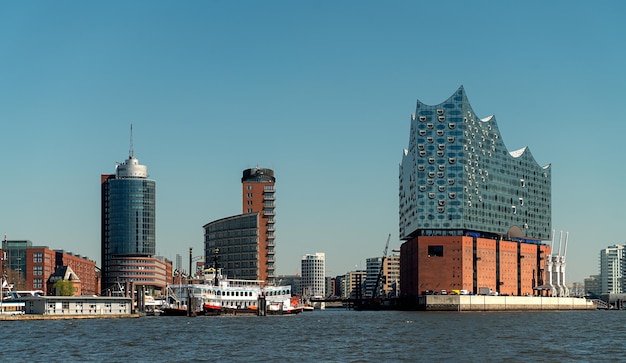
66,317
502,303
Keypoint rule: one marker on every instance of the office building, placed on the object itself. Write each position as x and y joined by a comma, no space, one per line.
387,273
612,267
472,214
246,241
14,261
128,229
373,266
313,283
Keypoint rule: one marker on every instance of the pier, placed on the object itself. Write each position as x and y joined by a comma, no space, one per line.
501,303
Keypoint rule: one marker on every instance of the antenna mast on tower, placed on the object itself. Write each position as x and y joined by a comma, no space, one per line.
132,149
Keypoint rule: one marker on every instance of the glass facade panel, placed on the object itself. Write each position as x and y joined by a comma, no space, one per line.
132,227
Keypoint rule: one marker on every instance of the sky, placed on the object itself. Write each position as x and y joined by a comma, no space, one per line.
319,91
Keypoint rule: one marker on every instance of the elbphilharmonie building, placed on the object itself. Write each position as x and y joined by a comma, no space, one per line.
457,175
473,214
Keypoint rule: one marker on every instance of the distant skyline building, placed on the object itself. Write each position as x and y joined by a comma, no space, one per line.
128,228
246,241
179,262
592,285
391,273
352,284
313,282
469,207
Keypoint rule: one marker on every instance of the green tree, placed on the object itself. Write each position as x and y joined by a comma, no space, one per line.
64,288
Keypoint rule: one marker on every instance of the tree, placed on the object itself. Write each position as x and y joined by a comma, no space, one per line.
64,288
16,278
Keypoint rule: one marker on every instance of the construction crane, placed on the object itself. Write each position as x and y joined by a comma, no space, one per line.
380,272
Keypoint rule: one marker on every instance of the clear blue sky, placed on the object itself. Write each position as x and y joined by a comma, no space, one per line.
319,91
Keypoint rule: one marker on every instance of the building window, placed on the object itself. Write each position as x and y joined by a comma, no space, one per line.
435,251
38,283
38,257
249,187
38,270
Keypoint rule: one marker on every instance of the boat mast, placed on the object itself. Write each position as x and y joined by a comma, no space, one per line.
216,264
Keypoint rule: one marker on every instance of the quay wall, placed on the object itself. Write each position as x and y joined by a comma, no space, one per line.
66,317
502,303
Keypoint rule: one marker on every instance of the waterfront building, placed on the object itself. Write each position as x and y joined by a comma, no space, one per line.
246,241
339,286
64,273
43,262
472,213
389,276
29,267
353,284
128,229
373,267
77,305
313,283
612,267
592,285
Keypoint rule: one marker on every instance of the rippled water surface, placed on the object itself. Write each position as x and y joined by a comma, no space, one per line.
333,335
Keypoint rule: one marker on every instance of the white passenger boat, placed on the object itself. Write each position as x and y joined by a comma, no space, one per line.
215,294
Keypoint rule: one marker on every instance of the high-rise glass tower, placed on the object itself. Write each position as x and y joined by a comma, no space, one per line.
128,223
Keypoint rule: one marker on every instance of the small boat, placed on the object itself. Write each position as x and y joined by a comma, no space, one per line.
174,311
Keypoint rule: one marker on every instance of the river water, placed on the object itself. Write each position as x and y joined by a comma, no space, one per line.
333,335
